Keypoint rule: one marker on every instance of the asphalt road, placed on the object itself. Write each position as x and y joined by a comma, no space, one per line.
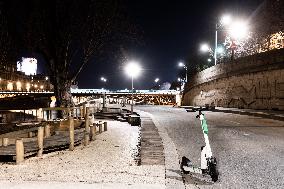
249,150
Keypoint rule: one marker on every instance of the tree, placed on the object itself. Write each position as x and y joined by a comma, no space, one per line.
70,34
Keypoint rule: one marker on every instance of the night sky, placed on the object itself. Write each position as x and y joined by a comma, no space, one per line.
171,30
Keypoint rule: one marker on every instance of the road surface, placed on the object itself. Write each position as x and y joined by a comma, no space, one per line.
249,150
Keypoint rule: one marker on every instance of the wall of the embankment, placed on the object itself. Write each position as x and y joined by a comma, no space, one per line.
255,82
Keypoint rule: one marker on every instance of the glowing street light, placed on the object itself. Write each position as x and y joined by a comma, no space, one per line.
157,80
238,30
204,47
28,86
133,70
226,20
19,85
10,86
103,79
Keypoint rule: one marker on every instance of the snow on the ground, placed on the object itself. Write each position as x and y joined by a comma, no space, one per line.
108,159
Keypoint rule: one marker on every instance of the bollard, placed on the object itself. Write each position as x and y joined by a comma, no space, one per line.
87,120
81,112
84,111
30,134
105,126
20,152
86,138
71,133
100,127
95,128
47,131
5,141
40,132
92,133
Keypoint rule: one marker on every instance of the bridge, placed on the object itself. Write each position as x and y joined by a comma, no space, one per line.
155,97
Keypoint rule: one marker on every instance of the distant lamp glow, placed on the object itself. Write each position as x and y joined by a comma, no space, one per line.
226,20
41,87
19,85
204,47
10,86
179,79
35,85
181,64
238,30
28,86
133,69
220,50
157,80
103,79
209,60
46,78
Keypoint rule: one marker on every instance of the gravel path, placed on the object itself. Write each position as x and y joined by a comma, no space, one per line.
107,162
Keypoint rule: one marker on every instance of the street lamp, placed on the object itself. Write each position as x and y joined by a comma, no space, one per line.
157,80
181,64
237,29
103,79
133,70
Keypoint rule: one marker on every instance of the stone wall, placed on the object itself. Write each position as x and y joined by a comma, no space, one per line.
255,82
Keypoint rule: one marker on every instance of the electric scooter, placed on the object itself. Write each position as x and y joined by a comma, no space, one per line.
208,162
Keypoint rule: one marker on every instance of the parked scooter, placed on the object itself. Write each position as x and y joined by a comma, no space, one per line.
208,162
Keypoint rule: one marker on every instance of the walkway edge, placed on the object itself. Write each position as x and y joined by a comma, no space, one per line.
173,176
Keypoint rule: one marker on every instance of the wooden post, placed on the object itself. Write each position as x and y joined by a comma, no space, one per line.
47,131
5,141
81,112
100,127
20,153
76,109
30,134
92,133
87,121
36,115
40,132
84,110
105,126
86,138
71,133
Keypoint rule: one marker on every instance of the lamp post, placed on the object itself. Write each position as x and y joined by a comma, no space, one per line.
103,79
181,64
225,20
132,69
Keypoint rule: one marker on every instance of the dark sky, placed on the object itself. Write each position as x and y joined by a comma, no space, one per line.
171,30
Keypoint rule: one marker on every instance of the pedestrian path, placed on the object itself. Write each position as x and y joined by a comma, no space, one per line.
152,150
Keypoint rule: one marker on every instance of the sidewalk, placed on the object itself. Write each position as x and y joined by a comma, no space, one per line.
269,114
108,162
